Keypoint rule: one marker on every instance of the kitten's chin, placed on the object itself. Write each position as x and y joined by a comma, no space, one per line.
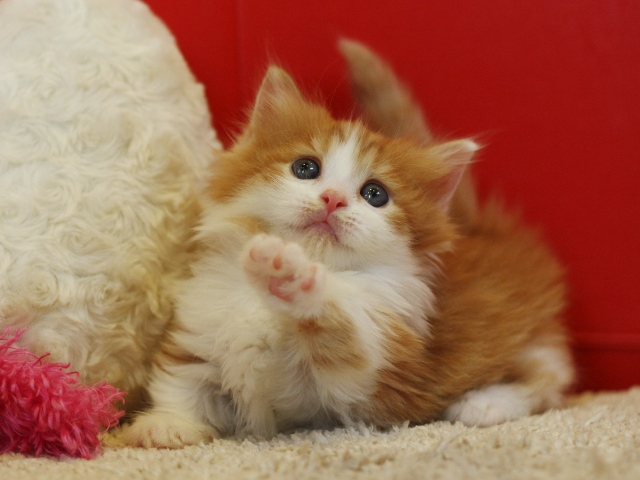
322,231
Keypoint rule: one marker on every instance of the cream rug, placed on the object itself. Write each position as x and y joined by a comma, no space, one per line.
596,437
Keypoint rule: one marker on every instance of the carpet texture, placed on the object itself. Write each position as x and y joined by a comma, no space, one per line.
596,436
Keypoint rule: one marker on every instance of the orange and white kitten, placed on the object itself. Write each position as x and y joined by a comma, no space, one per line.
335,287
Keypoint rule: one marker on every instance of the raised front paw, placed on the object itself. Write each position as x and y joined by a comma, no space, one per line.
165,430
283,272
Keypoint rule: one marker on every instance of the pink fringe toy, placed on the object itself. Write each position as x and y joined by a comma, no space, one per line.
44,410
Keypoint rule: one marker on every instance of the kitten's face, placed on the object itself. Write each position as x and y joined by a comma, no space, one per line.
347,194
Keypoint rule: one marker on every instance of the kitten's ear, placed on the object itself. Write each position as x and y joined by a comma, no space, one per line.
277,93
457,155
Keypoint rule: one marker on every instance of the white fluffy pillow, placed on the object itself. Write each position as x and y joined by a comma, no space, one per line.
105,139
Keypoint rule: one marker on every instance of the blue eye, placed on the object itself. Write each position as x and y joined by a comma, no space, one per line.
375,195
305,168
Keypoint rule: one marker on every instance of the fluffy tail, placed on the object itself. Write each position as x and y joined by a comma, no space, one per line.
389,107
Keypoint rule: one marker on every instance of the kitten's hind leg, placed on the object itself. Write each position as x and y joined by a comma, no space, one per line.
542,373
491,405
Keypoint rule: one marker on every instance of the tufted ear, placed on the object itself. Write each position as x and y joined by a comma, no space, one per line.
278,92
457,155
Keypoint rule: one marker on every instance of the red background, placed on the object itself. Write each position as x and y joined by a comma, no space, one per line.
551,87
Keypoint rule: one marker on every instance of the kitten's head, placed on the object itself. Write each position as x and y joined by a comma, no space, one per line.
351,196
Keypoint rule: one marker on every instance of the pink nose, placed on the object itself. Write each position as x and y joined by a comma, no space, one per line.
334,200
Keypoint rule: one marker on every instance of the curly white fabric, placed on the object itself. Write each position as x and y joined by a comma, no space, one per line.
105,140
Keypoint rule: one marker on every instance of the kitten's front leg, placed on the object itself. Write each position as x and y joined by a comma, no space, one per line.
176,419
325,318
159,429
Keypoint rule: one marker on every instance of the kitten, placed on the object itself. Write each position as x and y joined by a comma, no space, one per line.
335,286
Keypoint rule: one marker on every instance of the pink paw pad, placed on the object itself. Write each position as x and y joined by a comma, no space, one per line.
281,267
281,287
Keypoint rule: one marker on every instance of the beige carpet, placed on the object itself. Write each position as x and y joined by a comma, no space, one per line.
596,437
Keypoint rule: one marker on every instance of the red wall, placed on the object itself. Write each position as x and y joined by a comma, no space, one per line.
551,87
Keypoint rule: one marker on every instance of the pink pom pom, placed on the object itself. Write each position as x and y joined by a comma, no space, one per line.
44,410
